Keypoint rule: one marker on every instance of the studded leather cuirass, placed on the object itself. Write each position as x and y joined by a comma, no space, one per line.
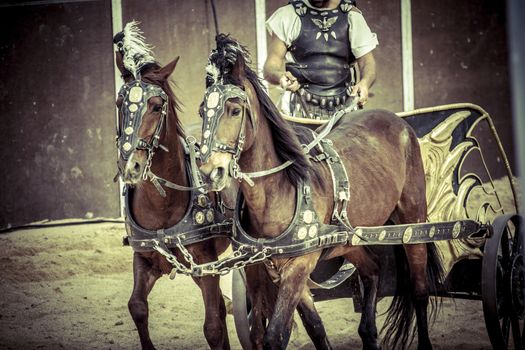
322,51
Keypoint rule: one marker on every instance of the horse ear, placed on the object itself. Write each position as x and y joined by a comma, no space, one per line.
166,71
239,68
126,74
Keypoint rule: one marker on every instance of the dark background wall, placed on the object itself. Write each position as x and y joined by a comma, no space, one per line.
56,107
57,89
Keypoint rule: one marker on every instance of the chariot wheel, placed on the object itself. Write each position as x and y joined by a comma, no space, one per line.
503,283
241,308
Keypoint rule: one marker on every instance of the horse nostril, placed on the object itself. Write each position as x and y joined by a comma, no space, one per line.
136,167
217,174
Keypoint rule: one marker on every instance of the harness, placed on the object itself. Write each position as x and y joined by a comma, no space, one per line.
306,233
135,96
202,221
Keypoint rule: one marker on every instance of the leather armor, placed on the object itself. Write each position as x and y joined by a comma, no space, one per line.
322,54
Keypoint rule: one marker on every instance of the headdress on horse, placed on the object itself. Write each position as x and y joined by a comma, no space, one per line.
221,88
135,52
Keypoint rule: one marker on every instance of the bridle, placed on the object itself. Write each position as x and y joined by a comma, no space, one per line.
135,96
213,109
134,103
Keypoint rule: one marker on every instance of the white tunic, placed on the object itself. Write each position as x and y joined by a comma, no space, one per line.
286,24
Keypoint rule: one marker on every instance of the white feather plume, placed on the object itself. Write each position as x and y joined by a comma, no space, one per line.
136,52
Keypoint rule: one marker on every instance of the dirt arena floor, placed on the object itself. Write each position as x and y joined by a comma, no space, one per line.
68,287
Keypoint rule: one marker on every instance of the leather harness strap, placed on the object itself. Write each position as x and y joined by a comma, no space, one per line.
201,221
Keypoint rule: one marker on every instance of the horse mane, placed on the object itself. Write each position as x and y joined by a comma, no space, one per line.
220,65
150,74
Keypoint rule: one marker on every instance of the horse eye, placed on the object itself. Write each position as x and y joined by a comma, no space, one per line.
236,112
157,108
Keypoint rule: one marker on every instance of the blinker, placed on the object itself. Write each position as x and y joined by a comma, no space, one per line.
135,96
213,107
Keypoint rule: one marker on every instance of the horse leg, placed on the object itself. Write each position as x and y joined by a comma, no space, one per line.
214,328
291,287
369,274
312,322
257,284
412,208
417,261
144,278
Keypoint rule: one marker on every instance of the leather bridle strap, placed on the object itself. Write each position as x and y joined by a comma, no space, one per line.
306,148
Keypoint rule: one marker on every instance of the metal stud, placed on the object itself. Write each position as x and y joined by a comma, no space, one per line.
407,235
128,130
135,94
207,134
126,147
201,200
456,229
432,232
302,232
213,99
210,113
199,217
204,149
308,216
312,231
210,215
382,235
133,108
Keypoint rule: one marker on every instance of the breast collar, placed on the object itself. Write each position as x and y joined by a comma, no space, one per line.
202,221
305,234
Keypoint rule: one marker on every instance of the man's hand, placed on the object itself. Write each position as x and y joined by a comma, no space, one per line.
289,82
360,90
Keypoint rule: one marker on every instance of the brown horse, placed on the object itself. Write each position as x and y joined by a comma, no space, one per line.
152,208
245,134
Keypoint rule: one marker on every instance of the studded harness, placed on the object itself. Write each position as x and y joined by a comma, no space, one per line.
306,233
202,220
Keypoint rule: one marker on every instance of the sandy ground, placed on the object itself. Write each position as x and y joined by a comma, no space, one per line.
68,287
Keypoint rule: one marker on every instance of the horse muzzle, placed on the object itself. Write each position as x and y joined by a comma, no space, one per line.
133,170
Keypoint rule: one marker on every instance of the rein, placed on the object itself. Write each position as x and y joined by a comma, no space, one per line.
214,100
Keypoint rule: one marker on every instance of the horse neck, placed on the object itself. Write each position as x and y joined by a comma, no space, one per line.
150,209
268,201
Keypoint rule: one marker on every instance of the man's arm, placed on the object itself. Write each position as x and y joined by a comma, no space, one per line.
274,68
367,72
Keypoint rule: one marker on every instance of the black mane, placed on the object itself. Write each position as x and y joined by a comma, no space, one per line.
286,140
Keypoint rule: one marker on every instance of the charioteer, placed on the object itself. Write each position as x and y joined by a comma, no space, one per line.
313,50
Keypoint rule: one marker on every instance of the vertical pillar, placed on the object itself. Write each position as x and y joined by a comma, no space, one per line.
515,30
260,20
406,55
116,21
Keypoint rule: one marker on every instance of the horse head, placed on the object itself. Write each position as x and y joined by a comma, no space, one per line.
144,103
229,103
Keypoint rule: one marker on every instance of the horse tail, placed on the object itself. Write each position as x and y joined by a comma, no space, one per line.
400,326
